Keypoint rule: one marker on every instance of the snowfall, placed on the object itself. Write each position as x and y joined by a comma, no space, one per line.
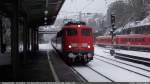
107,68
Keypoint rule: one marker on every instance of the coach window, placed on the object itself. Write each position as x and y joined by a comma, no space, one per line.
123,40
136,39
71,32
142,39
132,39
100,40
86,32
139,39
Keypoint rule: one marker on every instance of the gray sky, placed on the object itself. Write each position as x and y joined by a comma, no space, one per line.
72,7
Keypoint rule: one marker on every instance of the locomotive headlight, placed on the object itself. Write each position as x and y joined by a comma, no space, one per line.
70,46
89,46
79,25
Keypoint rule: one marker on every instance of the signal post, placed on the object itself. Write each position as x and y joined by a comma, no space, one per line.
112,51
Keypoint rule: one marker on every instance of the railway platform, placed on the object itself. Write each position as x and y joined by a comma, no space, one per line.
40,67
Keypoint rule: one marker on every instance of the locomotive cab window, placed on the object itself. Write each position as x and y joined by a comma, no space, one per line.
71,32
86,32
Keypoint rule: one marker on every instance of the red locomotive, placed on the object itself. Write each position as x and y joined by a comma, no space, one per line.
76,42
136,38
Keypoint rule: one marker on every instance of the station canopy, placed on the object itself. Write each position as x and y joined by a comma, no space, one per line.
34,10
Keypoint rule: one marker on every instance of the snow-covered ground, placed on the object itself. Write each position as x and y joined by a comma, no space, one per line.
105,52
45,46
117,74
90,75
134,53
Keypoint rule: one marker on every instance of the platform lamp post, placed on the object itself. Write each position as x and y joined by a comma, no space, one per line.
46,12
45,21
112,51
45,18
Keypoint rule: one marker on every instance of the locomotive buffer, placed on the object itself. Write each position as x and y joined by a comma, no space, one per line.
112,51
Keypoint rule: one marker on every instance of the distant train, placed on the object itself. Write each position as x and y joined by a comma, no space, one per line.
75,42
135,38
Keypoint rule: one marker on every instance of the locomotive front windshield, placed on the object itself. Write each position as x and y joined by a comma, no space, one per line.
86,32
71,32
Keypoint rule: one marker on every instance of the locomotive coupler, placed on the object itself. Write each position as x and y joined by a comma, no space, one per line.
71,55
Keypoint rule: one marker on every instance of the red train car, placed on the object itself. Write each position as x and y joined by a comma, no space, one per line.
103,40
137,38
77,42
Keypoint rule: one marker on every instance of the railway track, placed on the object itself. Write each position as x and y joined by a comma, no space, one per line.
131,58
103,78
102,58
124,63
139,60
80,77
108,77
101,74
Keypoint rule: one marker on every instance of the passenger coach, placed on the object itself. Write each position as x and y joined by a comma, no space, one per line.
134,38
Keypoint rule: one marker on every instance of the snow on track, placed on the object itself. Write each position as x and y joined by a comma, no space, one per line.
117,74
125,65
129,68
134,53
105,52
90,75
